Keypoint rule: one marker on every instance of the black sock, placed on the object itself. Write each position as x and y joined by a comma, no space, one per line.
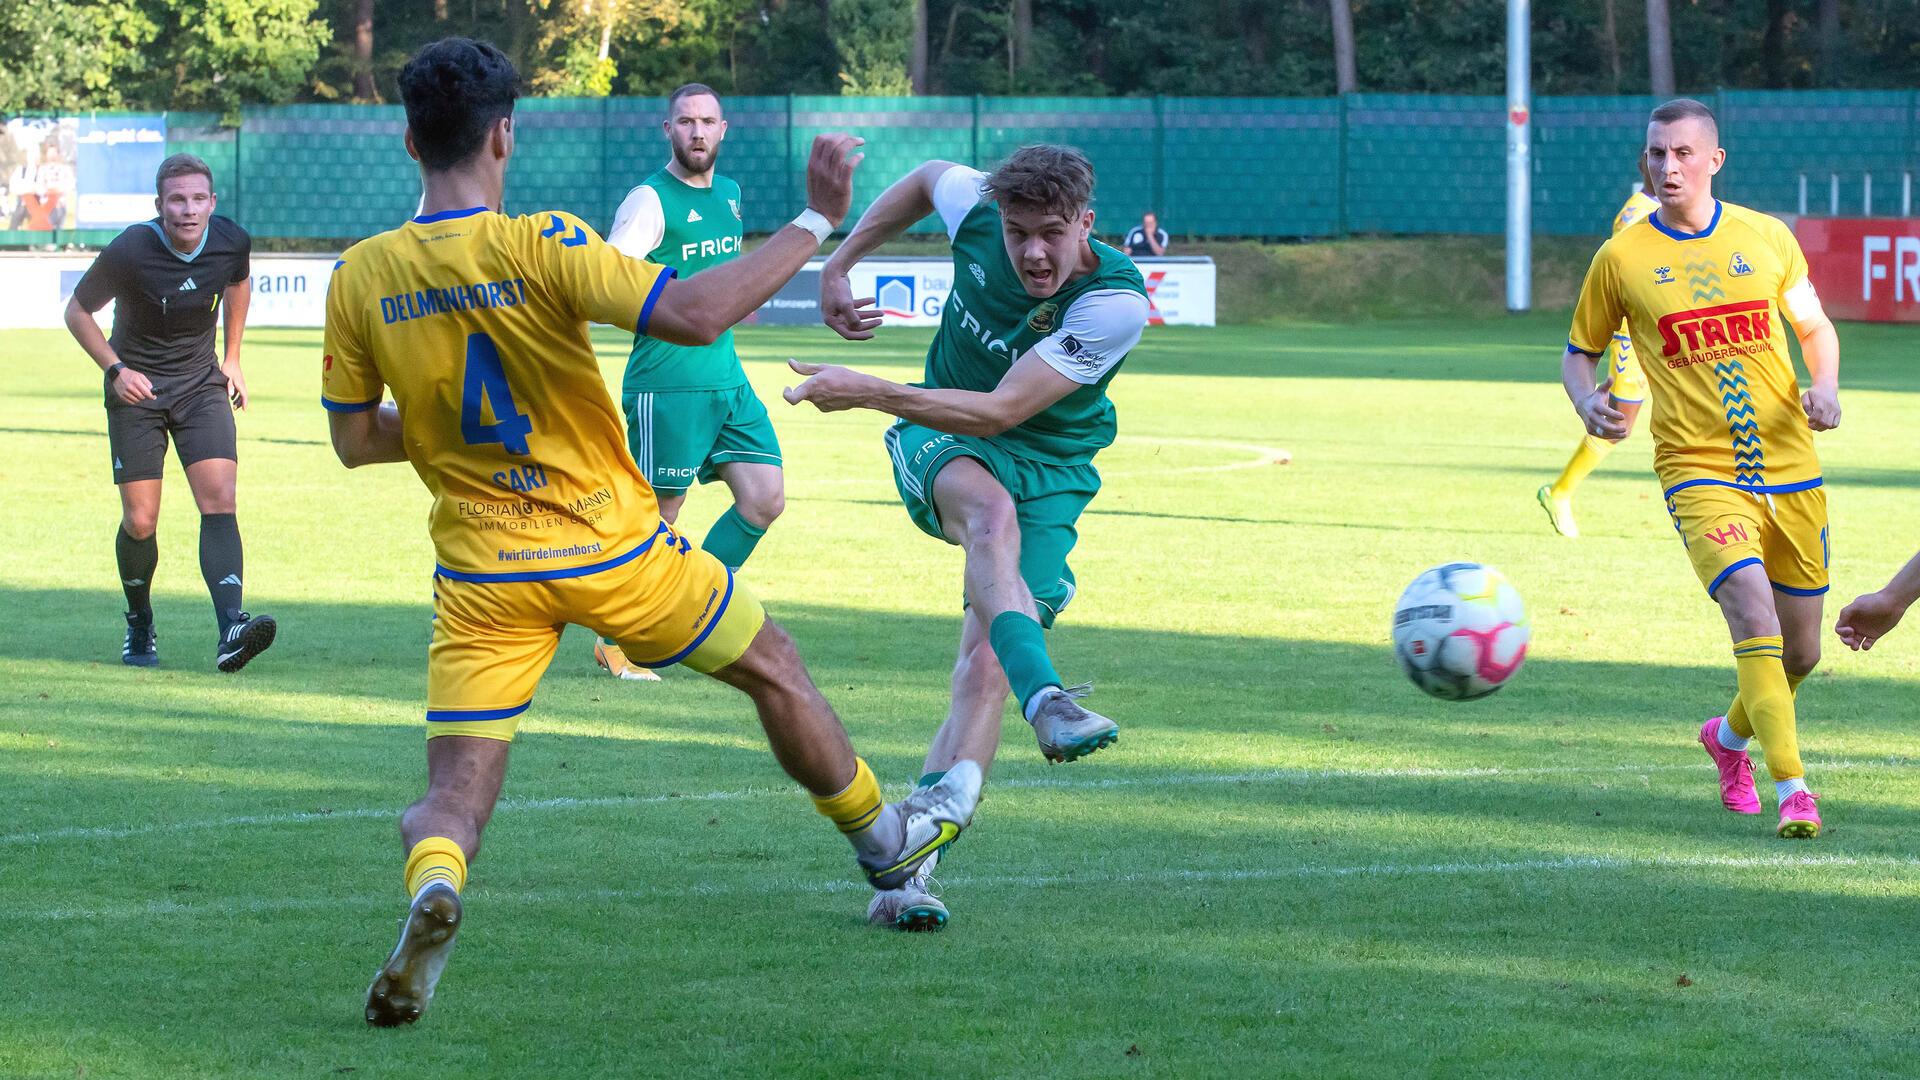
220,565
137,559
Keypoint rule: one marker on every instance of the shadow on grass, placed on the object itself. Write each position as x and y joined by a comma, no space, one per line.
330,716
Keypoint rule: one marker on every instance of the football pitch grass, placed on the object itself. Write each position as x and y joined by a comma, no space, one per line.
1292,863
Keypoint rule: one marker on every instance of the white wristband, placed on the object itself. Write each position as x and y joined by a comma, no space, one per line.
815,222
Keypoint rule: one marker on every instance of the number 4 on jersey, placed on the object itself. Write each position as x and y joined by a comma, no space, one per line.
484,386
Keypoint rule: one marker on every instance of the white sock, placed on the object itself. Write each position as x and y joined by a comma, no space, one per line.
1728,740
1785,788
1033,703
882,839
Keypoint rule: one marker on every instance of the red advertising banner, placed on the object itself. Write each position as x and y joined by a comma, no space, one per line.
1865,269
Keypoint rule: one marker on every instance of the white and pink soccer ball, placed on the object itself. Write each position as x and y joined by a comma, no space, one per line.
1460,631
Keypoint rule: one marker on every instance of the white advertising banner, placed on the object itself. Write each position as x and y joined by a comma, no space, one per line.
288,290
291,290
913,292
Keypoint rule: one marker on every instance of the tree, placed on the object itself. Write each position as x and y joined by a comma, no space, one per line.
55,54
1346,79
917,66
872,38
1830,43
1659,49
363,52
229,53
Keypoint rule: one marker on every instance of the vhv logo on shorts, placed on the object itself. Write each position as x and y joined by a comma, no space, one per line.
1728,533
895,295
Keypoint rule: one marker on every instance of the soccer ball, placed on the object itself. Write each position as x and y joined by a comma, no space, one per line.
1460,631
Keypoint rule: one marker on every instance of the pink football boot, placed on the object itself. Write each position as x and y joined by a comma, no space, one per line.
1799,818
1736,773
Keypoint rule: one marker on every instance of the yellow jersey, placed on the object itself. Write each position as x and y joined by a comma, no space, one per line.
477,324
1705,314
1638,205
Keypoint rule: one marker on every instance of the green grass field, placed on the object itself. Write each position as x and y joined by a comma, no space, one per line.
1292,864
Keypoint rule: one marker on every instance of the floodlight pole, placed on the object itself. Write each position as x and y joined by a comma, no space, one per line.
1519,160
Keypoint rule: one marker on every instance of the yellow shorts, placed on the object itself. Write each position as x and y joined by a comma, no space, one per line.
1726,528
1629,385
672,603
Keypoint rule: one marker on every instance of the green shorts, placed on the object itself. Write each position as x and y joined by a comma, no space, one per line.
679,436
1047,501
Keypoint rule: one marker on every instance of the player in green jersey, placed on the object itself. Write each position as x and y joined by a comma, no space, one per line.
994,448
690,413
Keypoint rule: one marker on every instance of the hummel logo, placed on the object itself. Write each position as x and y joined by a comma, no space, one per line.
693,216
230,579
188,285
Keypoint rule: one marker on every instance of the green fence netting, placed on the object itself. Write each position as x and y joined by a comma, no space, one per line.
1212,167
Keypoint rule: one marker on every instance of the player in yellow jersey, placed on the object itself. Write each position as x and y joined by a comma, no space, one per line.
1709,291
1626,389
476,323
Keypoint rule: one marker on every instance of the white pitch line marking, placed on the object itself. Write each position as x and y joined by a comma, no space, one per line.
1262,456
763,886
1263,776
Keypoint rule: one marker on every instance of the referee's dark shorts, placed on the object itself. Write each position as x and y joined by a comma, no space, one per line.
194,413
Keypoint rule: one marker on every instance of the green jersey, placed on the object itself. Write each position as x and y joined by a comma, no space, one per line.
1083,331
669,222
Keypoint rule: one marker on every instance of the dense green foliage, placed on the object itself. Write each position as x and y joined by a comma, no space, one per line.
98,53
1292,865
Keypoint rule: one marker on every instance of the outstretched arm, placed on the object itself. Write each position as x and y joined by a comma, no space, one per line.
698,310
1097,332
909,199
1028,388
1871,616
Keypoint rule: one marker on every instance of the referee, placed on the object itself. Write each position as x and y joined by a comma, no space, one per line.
167,279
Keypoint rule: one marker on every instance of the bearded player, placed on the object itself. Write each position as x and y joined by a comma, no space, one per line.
1626,389
1703,286
993,450
690,413
477,324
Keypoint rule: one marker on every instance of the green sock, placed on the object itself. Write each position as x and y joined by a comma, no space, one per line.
731,539
1022,648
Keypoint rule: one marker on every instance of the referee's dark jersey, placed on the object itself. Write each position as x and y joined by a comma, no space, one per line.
166,304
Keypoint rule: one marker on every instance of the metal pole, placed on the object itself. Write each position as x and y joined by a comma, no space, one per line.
1519,160
1803,194
1906,194
1866,195
1833,194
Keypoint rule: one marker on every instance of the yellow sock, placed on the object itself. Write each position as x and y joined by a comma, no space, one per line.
1586,458
855,807
1737,713
1768,697
436,859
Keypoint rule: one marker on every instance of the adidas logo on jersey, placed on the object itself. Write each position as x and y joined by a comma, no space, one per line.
188,285
693,216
